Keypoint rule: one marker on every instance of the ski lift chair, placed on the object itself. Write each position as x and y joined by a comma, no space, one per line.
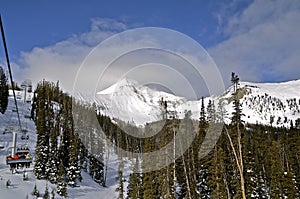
21,158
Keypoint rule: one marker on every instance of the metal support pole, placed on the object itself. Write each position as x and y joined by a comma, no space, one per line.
13,151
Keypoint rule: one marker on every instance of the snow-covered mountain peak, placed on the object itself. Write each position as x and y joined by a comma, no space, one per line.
284,89
122,85
276,104
262,103
129,101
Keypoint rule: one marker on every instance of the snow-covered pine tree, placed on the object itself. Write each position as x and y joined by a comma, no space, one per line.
8,183
3,91
67,130
202,118
53,194
96,169
73,170
52,164
134,188
33,112
35,191
46,194
221,112
218,181
236,122
237,113
211,112
120,188
42,146
53,161
61,184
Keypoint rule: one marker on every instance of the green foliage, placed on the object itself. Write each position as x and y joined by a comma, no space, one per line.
35,191
134,189
270,155
3,91
53,194
52,113
61,184
8,183
46,194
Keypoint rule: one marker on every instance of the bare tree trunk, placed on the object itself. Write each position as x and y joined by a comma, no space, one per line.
225,180
238,159
186,175
174,163
193,168
106,162
241,162
168,183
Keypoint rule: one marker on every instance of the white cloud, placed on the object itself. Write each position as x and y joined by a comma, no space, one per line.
61,61
263,42
79,61
262,45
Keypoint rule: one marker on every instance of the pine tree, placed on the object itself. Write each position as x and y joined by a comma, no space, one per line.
150,189
46,194
202,119
73,170
211,112
53,194
276,171
33,107
61,184
134,189
218,181
236,123
35,191
237,113
220,113
120,188
53,161
8,183
3,91
67,130
42,147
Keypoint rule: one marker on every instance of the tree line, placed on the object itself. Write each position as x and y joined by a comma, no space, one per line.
247,161
60,154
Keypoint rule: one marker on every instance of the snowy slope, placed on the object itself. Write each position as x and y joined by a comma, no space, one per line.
20,189
261,101
128,101
131,102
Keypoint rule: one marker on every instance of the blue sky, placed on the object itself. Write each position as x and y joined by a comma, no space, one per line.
257,39
41,23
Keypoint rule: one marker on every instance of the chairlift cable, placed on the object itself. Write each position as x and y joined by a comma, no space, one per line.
9,70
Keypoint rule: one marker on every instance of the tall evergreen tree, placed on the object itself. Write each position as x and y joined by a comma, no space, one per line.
35,191
202,119
218,181
3,91
237,113
46,194
211,112
53,161
134,188
73,170
42,147
61,185
236,123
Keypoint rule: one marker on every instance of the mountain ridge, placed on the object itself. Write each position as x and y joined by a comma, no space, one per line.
130,102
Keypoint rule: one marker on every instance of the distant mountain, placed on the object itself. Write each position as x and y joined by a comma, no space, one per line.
261,103
266,102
